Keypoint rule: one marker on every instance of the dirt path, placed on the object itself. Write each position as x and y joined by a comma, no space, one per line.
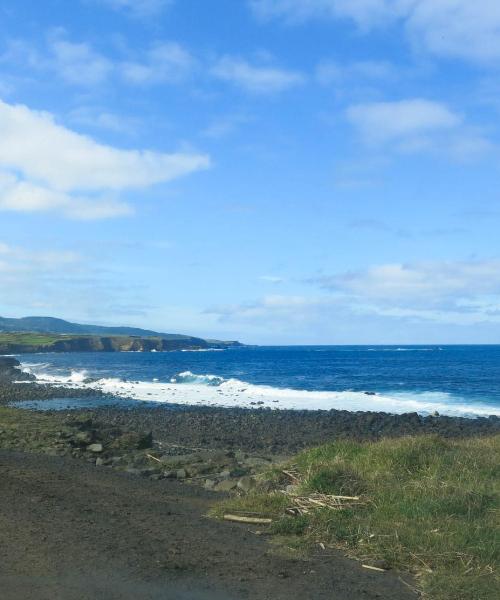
70,531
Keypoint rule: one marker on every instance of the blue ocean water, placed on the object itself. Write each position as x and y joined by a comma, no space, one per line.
412,377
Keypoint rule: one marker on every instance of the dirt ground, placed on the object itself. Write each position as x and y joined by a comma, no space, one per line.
70,531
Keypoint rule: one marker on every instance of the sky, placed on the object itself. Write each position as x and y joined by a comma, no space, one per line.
273,171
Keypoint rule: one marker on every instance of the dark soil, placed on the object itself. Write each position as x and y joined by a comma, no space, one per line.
74,532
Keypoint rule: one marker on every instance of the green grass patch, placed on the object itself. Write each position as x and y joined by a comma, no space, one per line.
431,507
30,339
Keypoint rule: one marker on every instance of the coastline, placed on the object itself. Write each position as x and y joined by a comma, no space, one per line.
275,431
129,471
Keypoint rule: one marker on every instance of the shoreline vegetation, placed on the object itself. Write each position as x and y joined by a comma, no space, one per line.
399,493
31,343
49,334
422,505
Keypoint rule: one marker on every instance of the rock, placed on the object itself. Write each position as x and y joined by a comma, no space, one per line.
256,461
95,448
133,441
209,484
226,486
239,471
245,484
292,489
84,437
180,459
181,474
142,472
99,462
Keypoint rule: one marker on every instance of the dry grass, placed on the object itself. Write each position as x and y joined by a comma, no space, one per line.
427,505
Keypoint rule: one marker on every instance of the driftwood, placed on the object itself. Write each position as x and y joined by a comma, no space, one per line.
374,568
153,458
302,505
251,520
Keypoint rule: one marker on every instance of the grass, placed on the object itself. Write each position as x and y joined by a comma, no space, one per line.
431,508
30,339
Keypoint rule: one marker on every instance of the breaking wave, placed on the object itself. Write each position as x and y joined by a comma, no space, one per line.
188,388
188,377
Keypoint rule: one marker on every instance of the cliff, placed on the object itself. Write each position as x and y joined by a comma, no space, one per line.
18,343
48,334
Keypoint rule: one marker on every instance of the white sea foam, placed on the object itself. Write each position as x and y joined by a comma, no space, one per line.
203,350
211,390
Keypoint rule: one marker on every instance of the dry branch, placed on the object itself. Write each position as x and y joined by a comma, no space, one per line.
251,520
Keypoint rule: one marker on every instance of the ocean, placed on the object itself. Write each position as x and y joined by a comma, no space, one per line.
452,380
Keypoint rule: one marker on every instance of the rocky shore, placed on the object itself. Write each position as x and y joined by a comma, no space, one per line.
130,486
219,448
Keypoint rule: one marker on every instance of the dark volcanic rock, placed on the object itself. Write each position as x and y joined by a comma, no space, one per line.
10,370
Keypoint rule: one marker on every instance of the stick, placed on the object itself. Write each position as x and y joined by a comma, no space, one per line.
153,457
373,568
252,520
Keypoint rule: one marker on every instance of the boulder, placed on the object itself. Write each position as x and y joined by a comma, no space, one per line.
95,448
226,486
245,484
133,441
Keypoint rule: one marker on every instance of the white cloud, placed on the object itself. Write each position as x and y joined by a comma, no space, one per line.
428,282
271,279
138,8
257,79
416,125
364,12
275,312
225,125
372,303
451,28
18,261
384,121
333,72
457,28
45,166
97,117
164,62
78,63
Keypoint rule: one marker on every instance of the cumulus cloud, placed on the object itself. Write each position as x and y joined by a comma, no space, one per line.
449,28
373,303
417,124
81,64
382,121
45,166
430,282
163,63
258,79
78,63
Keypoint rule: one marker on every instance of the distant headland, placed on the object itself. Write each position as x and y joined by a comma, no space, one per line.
49,334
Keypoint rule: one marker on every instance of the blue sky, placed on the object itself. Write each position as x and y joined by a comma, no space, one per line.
277,171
